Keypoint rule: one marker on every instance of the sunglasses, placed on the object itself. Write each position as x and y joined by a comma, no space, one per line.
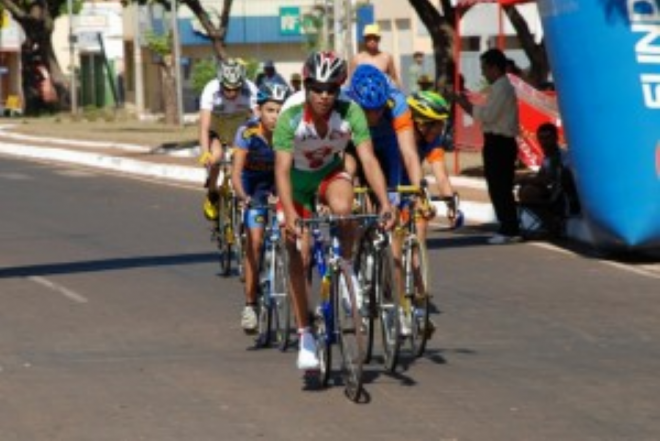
319,88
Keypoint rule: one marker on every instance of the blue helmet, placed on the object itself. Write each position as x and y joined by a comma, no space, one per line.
369,87
270,91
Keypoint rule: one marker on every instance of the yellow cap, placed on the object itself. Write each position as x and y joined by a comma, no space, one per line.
296,77
372,29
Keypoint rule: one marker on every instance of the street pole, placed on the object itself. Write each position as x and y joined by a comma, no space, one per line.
138,68
177,63
336,9
73,89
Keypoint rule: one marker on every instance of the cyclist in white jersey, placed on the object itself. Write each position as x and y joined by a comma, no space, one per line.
313,129
226,102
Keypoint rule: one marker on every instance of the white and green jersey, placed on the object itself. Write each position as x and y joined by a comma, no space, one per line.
295,132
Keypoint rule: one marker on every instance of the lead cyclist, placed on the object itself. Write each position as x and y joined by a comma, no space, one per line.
226,102
311,134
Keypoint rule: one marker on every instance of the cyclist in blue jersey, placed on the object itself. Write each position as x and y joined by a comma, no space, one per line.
312,132
391,127
253,179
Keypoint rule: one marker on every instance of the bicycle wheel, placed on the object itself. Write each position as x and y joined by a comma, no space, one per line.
349,335
239,239
417,303
387,299
265,315
365,269
324,331
225,238
280,299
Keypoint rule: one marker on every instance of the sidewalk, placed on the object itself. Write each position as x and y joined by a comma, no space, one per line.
180,165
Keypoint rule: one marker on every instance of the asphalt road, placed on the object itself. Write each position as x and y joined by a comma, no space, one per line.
114,325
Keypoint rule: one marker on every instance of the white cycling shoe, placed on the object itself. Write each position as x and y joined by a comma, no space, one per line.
307,359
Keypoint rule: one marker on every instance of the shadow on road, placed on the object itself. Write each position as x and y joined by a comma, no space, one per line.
106,265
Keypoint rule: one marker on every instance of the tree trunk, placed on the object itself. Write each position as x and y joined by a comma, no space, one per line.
169,90
44,84
539,65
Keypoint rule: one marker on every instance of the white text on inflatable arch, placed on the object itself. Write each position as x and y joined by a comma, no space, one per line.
647,52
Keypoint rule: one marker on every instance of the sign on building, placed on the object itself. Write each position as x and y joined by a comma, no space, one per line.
290,20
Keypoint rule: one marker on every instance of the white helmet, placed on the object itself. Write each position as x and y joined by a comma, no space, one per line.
325,67
231,73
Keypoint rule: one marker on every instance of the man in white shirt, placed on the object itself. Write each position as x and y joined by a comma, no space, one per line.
500,124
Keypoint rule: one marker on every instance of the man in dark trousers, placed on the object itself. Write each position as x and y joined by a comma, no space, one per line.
499,121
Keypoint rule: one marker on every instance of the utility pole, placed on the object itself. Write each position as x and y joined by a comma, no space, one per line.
73,88
348,28
177,63
137,61
336,9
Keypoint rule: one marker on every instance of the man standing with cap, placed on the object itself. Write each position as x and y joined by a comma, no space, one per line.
296,82
374,56
270,75
424,83
415,70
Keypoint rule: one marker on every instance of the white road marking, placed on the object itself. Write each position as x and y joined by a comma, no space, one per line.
642,270
76,173
69,294
15,176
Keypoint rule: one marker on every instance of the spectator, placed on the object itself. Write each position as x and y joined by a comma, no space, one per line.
512,67
424,83
296,82
269,74
374,56
415,71
539,188
500,124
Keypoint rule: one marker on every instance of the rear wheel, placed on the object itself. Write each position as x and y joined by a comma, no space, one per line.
350,337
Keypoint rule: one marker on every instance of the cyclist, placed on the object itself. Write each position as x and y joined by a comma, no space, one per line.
430,112
226,102
391,126
312,131
253,179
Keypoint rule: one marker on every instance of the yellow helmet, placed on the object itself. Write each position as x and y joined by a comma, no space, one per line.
428,106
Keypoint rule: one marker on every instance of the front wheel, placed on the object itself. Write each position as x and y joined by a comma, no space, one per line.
348,329
365,269
225,235
416,302
387,299
280,299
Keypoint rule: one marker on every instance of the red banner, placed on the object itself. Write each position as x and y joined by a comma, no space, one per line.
535,108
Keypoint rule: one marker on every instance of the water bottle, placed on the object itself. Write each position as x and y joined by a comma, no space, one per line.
325,289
